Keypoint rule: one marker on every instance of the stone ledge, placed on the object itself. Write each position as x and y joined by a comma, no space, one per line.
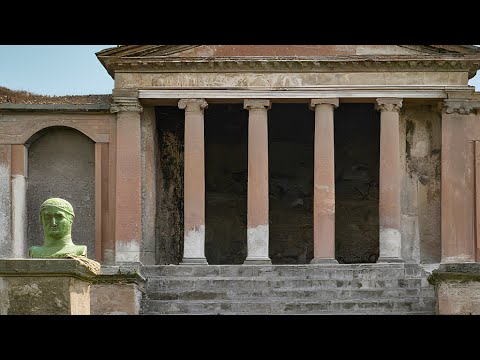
45,268
455,271
120,275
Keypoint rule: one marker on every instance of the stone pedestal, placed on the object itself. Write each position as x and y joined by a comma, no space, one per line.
457,288
44,287
117,291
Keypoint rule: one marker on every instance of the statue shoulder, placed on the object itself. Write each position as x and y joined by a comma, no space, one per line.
34,250
82,250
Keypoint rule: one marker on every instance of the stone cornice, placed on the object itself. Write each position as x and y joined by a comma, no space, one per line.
120,275
296,64
45,268
455,271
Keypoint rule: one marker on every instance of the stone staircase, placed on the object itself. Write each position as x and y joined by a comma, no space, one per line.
287,289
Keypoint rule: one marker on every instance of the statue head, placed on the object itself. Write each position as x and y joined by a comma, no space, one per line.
56,217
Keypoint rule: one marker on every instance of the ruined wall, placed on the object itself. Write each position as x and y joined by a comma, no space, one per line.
169,185
226,161
357,151
61,163
420,148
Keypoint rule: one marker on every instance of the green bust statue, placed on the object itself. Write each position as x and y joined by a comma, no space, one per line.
56,217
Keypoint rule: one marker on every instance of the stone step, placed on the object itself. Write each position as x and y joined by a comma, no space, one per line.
228,283
390,306
340,271
327,293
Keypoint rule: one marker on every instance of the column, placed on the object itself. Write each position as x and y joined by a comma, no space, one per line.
460,197
194,182
389,187
128,222
19,197
324,183
6,250
257,202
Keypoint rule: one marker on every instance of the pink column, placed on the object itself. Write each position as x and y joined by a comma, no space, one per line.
324,183
128,211
389,187
194,182
257,202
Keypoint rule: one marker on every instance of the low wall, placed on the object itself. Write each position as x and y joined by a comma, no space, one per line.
457,288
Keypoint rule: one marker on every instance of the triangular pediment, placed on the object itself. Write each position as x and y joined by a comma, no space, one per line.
197,58
209,51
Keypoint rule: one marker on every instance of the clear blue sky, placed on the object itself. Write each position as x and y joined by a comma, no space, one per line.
64,69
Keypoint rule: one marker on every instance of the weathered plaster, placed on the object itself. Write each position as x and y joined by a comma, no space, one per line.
460,258
115,299
127,251
390,243
458,297
194,243
257,243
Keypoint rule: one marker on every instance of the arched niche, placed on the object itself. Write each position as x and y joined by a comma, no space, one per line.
61,163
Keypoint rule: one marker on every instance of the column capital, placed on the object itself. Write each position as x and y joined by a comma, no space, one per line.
330,101
192,105
257,104
389,104
124,104
460,106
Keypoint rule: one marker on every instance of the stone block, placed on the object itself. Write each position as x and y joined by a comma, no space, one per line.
117,291
44,287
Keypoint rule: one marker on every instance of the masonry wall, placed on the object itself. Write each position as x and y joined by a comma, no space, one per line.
169,184
61,163
420,148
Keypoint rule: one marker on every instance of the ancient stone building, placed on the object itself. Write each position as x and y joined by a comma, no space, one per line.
258,179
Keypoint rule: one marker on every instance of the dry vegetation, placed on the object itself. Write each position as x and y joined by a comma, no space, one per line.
25,97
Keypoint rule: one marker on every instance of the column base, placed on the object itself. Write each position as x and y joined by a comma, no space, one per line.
383,260
257,261
324,261
194,261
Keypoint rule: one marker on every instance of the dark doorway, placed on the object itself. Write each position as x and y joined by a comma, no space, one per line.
291,135
226,146
357,155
